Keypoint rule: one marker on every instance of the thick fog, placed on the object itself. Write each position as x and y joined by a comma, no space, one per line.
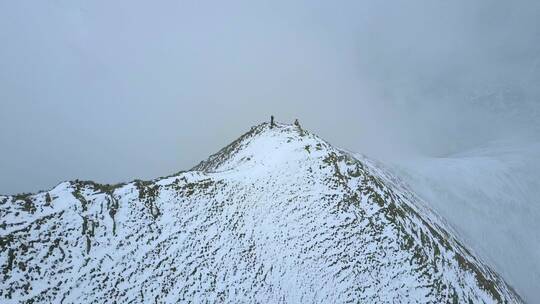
114,91
117,90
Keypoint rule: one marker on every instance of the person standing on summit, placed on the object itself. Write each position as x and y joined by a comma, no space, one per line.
272,124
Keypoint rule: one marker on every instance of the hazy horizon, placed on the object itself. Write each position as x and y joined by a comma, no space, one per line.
129,90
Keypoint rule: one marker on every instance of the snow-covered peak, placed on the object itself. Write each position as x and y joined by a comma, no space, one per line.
266,146
277,216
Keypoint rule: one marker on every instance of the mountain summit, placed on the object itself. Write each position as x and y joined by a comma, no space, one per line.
279,215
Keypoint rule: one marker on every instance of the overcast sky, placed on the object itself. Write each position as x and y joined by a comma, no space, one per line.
118,90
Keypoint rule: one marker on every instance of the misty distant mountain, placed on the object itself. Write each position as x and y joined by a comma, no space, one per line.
490,196
277,216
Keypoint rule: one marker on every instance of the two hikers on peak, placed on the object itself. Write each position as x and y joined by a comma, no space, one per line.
272,123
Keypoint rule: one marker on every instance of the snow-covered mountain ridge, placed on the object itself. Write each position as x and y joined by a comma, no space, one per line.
279,215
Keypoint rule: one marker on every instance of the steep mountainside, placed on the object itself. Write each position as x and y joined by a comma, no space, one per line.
277,216
490,195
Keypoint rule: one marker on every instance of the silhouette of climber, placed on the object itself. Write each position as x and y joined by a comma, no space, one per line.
297,124
272,124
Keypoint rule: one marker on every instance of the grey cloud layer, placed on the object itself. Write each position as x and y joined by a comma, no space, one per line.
123,90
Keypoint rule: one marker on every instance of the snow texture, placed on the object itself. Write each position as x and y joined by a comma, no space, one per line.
278,216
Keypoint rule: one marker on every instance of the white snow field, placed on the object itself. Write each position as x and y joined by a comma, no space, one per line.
491,196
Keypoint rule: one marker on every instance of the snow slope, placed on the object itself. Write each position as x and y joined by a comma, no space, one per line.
491,197
279,215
